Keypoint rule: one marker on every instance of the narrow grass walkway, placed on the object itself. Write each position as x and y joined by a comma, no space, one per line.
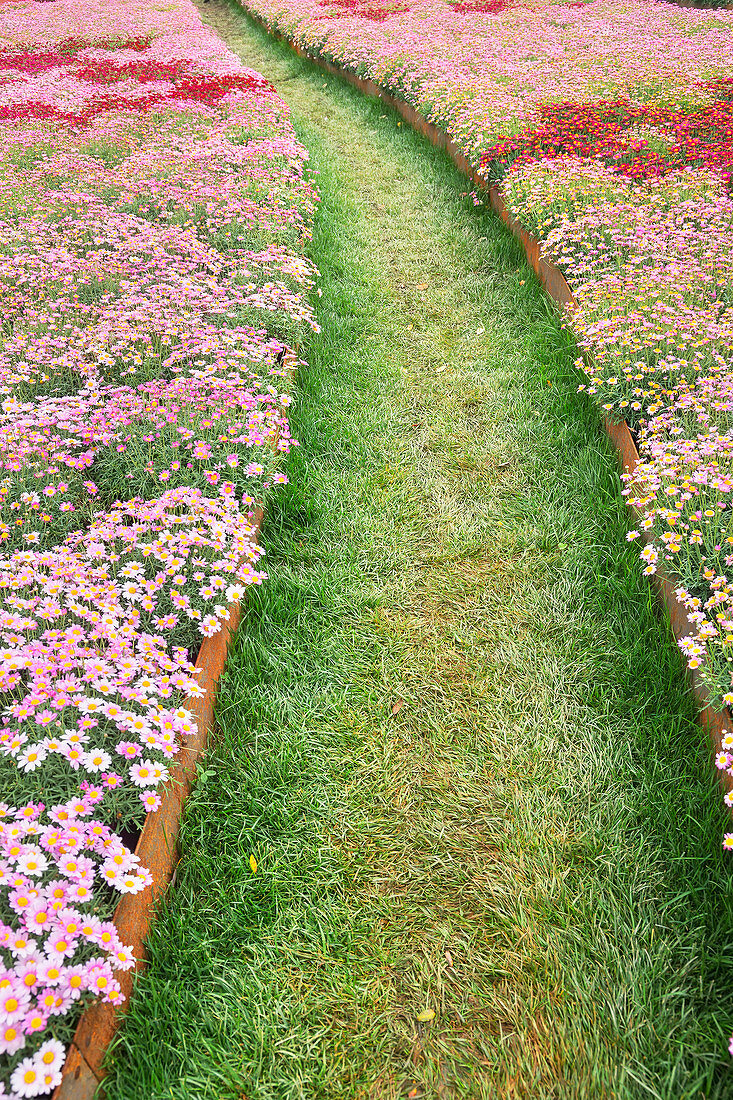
454,733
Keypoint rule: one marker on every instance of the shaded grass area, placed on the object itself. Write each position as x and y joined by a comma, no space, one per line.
453,731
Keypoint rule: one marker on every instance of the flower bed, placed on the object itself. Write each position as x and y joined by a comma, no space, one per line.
154,209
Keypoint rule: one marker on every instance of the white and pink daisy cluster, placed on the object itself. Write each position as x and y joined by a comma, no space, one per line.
57,454
57,953
92,682
154,212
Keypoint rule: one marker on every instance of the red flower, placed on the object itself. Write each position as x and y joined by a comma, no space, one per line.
188,82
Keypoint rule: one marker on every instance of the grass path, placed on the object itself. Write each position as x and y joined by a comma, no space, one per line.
454,732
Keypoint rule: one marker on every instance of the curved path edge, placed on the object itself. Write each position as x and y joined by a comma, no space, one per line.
714,722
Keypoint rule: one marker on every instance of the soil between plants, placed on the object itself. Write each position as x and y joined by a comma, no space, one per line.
454,732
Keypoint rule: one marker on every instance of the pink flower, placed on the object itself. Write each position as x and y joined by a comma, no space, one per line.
12,1038
129,749
35,1021
143,774
14,1002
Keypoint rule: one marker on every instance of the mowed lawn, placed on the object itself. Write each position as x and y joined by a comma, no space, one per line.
454,732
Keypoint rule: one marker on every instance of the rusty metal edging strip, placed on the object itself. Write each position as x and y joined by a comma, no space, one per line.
157,849
552,279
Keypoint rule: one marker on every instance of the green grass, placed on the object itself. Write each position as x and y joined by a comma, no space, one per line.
453,730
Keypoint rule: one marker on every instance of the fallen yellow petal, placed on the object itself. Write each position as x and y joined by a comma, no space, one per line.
425,1015
253,864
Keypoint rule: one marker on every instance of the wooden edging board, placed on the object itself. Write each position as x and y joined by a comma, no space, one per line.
157,848
714,722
